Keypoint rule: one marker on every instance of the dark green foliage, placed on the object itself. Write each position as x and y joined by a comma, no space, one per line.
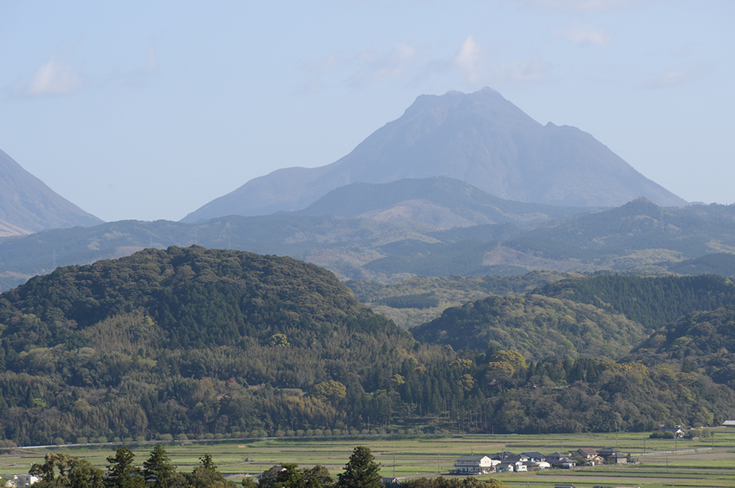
223,343
206,475
62,471
361,470
121,472
703,340
157,469
174,338
650,301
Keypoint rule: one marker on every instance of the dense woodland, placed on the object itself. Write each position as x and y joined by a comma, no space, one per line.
195,343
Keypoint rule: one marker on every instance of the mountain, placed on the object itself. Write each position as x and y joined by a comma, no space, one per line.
480,138
439,202
638,237
27,205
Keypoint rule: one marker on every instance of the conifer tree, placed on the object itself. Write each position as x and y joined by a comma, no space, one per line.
157,469
361,471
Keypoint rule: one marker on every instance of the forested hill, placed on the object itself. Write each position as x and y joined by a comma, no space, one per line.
193,296
699,341
651,301
536,326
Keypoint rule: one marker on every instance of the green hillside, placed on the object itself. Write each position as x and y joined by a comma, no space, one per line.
700,342
169,341
651,301
218,343
536,326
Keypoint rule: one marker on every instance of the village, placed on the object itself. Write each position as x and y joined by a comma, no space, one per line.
504,462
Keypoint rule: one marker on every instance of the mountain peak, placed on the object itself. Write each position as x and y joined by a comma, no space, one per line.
480,138
27,205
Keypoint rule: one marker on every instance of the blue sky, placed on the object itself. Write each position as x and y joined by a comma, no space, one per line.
148,110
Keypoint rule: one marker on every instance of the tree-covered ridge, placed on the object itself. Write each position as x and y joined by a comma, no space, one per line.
699,342
193,295
651,301
190,343
536,326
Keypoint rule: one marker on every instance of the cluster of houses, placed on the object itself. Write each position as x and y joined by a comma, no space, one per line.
476,464
18,480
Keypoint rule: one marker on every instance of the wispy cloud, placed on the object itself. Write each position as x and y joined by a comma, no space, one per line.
52,78
676,76
479,68
469,59
581,5
585,36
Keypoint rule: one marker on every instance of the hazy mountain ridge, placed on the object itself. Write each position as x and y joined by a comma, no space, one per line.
480,138
440,202
638,237
27,205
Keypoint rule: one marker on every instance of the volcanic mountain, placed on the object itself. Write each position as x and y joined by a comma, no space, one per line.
480,138
27,205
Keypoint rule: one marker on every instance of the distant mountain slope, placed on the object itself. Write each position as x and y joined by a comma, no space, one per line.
28,205
641,224
440,202
480,138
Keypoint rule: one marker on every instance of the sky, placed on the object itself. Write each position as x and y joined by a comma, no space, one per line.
148,110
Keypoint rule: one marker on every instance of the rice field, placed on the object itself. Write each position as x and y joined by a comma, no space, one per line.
661,463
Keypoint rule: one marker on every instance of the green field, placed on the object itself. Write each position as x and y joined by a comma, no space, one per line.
663,463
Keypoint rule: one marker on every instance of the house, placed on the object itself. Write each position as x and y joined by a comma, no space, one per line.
20,480
677,431
534,456
612,456
502,456
474,464
504,467
559,460
590,456
728,423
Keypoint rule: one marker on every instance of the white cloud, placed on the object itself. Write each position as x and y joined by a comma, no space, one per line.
52,78
589,36
479,70
469,59
677,76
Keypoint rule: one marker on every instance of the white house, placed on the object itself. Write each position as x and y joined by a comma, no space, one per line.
20,480
474,464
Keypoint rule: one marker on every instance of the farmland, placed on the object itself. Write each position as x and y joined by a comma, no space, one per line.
662,463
